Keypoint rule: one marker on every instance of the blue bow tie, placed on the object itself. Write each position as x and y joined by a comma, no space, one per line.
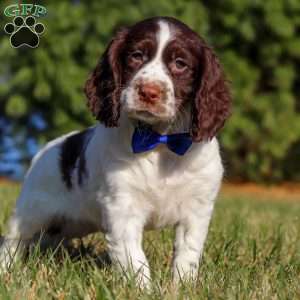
144,139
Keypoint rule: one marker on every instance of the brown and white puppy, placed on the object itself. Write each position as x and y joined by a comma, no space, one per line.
161,73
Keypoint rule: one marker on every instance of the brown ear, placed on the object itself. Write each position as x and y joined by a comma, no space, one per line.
212,101
103,86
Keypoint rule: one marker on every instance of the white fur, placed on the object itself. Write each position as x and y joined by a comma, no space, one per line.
123,193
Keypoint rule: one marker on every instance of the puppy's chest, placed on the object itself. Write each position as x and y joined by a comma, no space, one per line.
160,174
160,187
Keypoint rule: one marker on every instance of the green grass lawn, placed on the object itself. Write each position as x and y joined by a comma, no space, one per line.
252,252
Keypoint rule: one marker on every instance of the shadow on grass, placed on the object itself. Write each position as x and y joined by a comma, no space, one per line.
75,250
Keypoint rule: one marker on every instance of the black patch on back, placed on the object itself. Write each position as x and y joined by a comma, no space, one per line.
73,150
81,168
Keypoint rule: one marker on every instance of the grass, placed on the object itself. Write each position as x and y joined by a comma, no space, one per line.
252,252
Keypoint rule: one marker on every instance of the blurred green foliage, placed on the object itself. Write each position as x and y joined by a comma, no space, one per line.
258,43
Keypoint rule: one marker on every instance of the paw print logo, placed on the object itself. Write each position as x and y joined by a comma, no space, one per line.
24,32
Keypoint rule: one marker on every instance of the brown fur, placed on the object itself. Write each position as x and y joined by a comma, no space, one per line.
212,103
103,87
203,85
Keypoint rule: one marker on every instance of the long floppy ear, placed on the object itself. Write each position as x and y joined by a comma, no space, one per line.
212,103
103,86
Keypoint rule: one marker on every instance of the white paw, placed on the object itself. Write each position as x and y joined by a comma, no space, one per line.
5,261
143,280
185,271
8,254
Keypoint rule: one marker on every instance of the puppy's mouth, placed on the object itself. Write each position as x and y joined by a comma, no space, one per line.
148,116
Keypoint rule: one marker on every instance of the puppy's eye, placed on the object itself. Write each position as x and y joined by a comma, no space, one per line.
180,64
138,56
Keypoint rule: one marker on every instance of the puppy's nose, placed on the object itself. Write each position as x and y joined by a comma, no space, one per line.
149,92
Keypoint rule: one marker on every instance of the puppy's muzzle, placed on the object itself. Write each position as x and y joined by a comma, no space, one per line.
150,92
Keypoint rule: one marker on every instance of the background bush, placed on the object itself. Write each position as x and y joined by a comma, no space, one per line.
258,43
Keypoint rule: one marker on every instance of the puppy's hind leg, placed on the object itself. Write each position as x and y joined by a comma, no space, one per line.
20,233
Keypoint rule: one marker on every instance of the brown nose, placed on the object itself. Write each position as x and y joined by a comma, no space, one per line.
149,92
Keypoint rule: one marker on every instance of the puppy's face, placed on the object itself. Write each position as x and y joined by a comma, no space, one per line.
160,69
155,70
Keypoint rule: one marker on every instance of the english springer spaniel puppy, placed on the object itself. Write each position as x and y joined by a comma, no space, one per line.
161,97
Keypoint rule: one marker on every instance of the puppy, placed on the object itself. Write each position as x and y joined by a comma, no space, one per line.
160,95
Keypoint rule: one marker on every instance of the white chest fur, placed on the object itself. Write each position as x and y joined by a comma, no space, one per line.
161,186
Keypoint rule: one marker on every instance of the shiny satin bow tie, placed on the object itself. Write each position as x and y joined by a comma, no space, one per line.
145,139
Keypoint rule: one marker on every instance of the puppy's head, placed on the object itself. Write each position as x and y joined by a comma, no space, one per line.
155,70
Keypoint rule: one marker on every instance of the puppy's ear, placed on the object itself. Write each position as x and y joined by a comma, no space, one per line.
103,87
212,103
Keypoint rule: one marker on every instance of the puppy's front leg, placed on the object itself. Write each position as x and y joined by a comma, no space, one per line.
125,246
191,233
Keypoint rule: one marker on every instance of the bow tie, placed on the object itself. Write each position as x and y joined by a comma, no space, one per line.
145,139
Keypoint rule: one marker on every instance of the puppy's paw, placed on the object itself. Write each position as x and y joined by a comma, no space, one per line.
185,271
